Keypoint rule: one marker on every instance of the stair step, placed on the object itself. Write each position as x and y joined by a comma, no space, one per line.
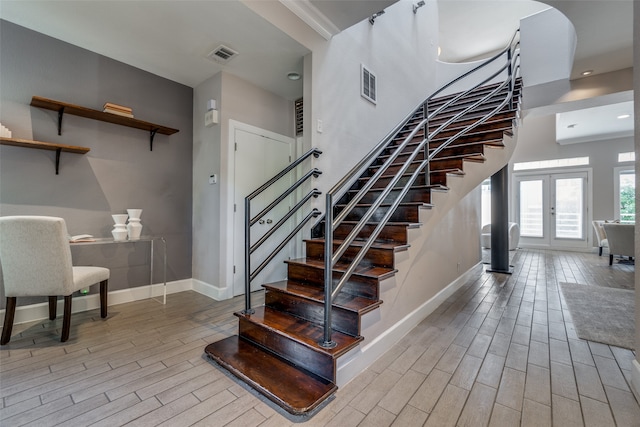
474,95
417,193
292,388
364,282
295,339
477,113
438,140
380,253
386,178
440,177
499,119
407,211
307,302
392,231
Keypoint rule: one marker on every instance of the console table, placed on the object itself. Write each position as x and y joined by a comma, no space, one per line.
162,298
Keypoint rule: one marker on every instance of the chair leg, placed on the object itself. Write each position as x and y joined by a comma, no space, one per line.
610,259
104,287
9,315
53,307
66,319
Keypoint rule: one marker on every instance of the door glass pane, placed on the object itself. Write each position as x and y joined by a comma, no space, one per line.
486,202
568,208
627,197
531,208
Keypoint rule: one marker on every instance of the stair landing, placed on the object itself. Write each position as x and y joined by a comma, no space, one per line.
295,389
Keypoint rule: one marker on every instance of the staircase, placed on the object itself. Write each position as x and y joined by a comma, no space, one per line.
282,349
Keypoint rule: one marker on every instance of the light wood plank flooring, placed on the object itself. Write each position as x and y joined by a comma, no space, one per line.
501,352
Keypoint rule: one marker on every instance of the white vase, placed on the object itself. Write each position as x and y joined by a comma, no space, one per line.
134,227
119,231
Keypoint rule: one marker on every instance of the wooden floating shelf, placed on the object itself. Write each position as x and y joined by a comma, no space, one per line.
76,110
40,145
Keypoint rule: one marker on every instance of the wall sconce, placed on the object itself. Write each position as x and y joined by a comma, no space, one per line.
374,16
417,6
211,116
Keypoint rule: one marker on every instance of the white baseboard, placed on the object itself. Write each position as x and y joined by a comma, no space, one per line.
35,312
365,355
211,291
635,378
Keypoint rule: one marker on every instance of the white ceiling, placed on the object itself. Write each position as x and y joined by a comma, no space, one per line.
595,124
472,29
172,38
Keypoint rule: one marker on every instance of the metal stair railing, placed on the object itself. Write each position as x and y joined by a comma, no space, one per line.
249,221
331,257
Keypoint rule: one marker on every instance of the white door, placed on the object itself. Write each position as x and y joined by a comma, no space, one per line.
258,158
552,209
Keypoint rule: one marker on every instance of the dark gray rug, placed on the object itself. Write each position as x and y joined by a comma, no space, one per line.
602,314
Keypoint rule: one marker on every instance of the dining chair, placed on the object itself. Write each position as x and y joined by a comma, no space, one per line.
35,257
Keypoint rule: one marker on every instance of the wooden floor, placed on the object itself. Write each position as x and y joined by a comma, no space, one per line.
502,351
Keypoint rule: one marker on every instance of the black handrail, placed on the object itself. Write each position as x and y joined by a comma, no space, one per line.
249,221
330,257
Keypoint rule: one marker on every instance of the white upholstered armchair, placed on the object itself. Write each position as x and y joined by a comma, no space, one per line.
514,236
601,236
36,261
621,239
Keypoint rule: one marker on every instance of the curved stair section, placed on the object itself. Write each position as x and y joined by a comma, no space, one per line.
279,348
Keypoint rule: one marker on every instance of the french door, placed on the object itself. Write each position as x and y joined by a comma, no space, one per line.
552,209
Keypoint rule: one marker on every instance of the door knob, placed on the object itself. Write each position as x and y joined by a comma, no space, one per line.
261,221
269,221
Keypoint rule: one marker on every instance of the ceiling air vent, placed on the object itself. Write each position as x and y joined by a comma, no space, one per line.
222,54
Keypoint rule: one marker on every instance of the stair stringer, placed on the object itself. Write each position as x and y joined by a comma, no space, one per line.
408,297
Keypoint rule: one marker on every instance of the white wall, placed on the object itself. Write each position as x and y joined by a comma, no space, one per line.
400,49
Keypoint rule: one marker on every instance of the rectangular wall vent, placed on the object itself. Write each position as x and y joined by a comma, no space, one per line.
222,54
368,84
299,112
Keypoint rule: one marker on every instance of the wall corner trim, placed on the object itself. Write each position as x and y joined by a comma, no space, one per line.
635,378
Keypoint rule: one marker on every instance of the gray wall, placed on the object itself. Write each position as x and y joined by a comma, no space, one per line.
212,153
119,172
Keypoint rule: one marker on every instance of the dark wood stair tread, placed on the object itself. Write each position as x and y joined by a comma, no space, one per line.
300,330
344,300
387,205
393,223
292,388
392,246
370,271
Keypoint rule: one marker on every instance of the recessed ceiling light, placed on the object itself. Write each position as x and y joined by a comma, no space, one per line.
293,76
587,72
572,125
624,116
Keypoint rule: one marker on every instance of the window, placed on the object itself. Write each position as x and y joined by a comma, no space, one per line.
625,194
485,201
555,163
369,84
627,157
